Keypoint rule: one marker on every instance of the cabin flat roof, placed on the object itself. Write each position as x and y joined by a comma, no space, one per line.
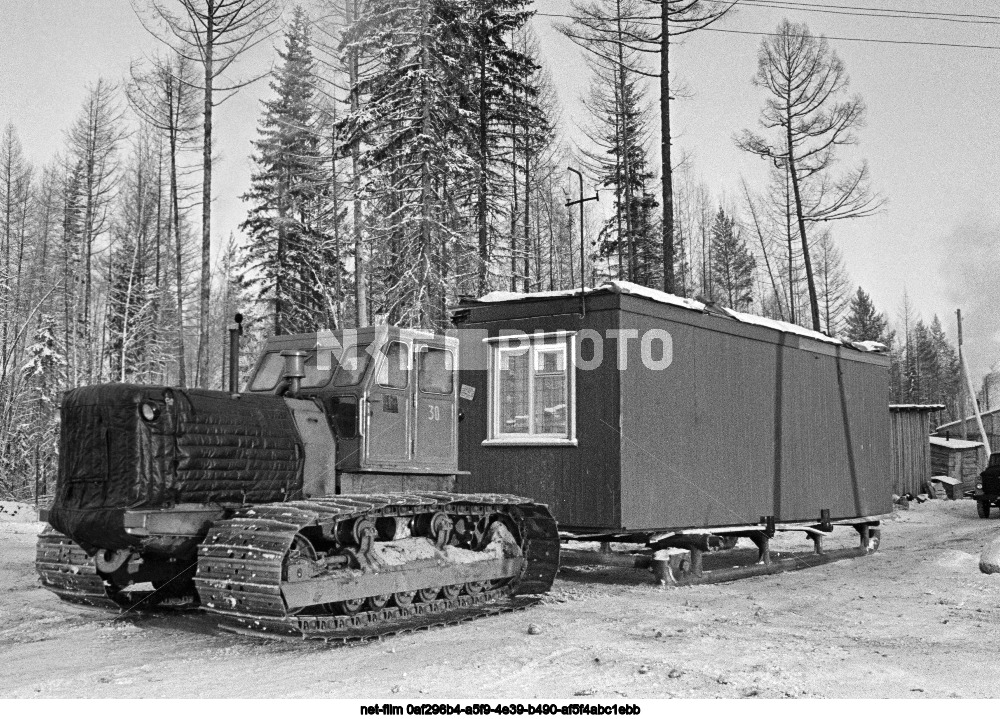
631,288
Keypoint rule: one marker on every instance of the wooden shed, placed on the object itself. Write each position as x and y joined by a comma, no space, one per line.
991,423
625,408
911,453
957,458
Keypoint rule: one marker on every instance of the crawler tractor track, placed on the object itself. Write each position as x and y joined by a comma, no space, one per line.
259,573
66,570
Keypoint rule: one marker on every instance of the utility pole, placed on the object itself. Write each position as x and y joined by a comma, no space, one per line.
972,393
961,385
583,276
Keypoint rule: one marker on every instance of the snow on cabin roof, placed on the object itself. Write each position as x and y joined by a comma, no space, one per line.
619,286
954,443
631,288
783,327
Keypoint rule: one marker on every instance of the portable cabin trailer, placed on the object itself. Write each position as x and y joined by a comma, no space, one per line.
630,411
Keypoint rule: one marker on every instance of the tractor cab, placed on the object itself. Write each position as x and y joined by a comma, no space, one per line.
390,397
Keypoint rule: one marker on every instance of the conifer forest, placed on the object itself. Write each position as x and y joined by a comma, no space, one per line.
409,153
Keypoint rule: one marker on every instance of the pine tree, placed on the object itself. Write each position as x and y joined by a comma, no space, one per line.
732,264
285,188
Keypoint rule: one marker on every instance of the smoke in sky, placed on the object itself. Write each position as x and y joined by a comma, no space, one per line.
970,270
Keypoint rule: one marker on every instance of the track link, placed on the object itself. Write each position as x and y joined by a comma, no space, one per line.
66,570
240,566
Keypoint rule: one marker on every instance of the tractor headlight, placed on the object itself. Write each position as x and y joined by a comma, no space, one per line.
979,485
149,411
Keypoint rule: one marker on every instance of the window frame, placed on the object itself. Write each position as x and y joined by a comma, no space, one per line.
267,356
537,343
418,365
384,363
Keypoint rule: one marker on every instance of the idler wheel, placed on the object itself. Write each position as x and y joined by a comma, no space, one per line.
451,591
403,599
299,559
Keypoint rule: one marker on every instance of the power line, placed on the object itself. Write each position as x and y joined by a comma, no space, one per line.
858,11
864,39
930,14
876,41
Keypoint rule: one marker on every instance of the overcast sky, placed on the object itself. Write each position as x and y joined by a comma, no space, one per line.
931,137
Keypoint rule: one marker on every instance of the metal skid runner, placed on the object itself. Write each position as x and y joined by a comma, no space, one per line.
677,557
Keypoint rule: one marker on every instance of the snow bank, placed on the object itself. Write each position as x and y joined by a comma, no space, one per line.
17,512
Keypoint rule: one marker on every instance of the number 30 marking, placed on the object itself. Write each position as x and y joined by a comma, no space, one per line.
435,413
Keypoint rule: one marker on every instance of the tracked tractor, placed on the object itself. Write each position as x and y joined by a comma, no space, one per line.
319,501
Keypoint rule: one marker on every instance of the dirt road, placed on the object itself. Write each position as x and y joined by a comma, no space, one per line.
915,619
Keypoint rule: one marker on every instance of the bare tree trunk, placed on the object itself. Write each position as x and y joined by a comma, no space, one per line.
513,208
668,188
807,264
527,211
335,188
174,223
426,304
201,374
764,252
481,205
360,272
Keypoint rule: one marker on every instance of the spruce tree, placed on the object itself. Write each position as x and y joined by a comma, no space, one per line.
281,222
865,323
732,264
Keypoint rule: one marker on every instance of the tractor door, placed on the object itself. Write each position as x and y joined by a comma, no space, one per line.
434,406
389,407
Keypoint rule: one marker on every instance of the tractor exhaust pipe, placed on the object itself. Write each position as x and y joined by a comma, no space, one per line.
235,331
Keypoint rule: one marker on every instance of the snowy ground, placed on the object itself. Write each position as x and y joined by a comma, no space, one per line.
915,619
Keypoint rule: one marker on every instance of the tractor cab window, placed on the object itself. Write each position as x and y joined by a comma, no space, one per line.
351,367
435,371
395,368
994,460
268,373
319,368
315,375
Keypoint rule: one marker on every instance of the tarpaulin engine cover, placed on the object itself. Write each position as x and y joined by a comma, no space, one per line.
202,447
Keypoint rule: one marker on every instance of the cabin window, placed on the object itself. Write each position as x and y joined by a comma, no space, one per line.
531,393
435,371
269,373
315,377
351,367
395,366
